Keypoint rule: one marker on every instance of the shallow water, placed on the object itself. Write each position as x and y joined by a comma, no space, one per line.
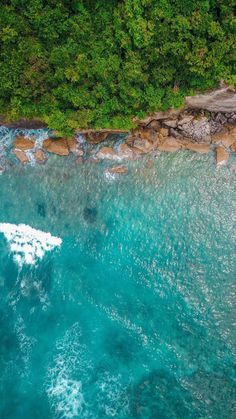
132,314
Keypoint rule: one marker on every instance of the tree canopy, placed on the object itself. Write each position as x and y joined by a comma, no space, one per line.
99,63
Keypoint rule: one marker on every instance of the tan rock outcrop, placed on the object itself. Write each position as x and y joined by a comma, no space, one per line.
59,146
72,145
23,143
225,138
170,145
142,146
164,132
221,156
39,156
21,155
198,147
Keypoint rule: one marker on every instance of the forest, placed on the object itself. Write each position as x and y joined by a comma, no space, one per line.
100,63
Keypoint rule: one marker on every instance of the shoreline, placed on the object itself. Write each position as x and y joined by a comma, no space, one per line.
200,126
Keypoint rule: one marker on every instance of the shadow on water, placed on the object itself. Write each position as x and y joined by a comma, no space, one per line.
90,214
120,346
41,209
159,395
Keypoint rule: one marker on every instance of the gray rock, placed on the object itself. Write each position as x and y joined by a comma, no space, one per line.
220,100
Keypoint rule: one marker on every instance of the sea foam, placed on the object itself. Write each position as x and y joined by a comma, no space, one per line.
28,244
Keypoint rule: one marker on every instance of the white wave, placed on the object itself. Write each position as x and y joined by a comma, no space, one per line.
64,390
28,244
69,397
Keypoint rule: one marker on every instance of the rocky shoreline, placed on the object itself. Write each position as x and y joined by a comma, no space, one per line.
206,122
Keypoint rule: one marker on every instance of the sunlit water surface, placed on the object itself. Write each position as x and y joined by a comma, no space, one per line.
127,308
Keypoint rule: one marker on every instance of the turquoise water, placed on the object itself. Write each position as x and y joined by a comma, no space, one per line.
133,314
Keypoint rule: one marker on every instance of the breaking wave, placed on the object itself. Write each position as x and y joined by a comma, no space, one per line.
28,244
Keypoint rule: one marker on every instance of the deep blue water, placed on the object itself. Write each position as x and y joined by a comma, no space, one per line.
133,315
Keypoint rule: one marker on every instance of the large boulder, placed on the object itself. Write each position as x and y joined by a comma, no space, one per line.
226,138
142,146
23,143
72,145
220,100
56,146
198,147
170,145
39,156
21,156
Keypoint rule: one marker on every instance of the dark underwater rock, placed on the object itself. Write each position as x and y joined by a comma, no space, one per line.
90,214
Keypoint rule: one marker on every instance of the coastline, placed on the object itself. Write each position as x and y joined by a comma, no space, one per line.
206,122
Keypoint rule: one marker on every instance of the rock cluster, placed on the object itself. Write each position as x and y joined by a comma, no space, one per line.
59,146
205,122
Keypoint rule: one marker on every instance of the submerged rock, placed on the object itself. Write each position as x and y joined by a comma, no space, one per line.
21,155
59,146
41,209
221,156
23,143
90,214
121,170
107,153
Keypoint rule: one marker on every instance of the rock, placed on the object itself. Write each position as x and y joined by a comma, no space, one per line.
164,132
226,139
221,155
21,155
198,129
174,133
148,134
233,147
121,170
79,160
93,160
219,100
72,145
96,137
2,170
170,145
142,146
23,143
155,125
125,152
198,147
39,156
158,116
59,146
185,120
107,153
171,123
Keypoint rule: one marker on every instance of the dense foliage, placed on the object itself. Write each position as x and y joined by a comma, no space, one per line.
80,63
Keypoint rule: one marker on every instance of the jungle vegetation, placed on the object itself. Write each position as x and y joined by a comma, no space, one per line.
99,63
